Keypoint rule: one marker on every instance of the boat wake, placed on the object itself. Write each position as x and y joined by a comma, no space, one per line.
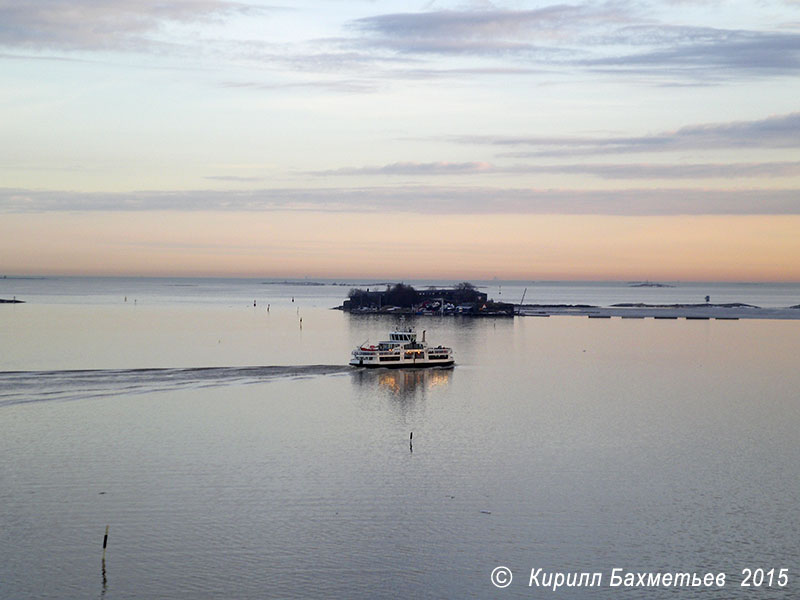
22,387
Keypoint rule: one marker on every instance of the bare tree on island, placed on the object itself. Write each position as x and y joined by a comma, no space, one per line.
465,292
358,297
401,295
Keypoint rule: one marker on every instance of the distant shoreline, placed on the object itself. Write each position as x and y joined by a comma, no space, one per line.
724,312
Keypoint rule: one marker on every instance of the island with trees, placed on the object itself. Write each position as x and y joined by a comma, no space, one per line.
462,299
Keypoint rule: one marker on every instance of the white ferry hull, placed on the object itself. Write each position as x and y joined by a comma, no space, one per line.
375,362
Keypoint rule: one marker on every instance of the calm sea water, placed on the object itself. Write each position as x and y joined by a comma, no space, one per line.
234,456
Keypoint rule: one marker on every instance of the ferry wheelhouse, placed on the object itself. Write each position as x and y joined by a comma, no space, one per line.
402,349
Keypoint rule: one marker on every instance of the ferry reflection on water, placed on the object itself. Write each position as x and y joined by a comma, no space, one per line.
405,382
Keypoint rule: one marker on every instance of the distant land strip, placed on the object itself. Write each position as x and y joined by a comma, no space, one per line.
730,311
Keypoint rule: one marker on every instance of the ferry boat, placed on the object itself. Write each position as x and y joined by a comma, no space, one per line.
402,350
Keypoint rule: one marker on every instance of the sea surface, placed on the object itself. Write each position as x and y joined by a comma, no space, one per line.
214,427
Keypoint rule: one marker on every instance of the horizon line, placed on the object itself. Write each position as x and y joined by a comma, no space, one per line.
384,280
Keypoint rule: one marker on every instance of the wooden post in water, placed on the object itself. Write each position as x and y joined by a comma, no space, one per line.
105,543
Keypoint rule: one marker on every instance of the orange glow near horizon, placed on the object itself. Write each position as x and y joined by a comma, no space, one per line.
403,246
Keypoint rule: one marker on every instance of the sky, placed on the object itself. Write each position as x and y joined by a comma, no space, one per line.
530,140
